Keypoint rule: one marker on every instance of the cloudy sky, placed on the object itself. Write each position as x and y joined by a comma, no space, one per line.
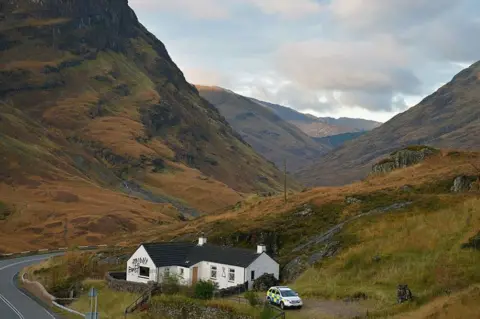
356,58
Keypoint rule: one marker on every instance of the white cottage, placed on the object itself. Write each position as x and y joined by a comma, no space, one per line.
191,262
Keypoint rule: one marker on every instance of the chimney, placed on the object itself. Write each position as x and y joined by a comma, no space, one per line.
202,240
261,249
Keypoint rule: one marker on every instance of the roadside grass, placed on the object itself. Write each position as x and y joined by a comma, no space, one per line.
111,304
418,248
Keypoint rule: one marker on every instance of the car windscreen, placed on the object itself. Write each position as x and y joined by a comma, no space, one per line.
288,293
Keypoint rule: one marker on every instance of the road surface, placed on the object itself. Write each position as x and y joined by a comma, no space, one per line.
14,304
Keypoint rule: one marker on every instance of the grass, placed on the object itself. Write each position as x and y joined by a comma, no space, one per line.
111,304
421,249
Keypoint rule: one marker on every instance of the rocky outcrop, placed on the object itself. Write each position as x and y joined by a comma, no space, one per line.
463,183
404,158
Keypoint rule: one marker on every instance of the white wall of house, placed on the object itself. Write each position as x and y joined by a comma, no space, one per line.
222,279
183,277
264,264
136,265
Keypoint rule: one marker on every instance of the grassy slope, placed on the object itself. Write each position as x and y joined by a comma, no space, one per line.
448,118
80,117
274,138
418,245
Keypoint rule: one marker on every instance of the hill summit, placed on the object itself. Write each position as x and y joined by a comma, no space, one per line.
100,132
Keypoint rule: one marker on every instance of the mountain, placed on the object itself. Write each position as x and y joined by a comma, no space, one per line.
271,136
448,118
100,132
320,126
338,140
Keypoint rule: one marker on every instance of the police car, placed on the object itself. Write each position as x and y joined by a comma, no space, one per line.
284,297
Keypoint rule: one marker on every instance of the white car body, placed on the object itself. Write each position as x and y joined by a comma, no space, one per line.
284,297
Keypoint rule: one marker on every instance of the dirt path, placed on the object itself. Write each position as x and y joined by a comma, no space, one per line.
321,309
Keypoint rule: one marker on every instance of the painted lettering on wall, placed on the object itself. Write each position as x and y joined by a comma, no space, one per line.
136,262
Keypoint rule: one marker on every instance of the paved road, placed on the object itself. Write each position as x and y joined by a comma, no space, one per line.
13,303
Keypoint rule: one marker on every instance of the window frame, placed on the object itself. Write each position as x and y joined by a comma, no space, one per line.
213,268
140,272
231,271
181,272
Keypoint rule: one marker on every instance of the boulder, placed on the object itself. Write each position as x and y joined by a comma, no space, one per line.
404,158
293,269
463,183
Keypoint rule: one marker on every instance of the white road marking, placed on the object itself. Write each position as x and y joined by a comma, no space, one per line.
18,313
20,262
49,313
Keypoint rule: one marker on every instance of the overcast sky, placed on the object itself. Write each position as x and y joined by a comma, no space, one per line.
356,58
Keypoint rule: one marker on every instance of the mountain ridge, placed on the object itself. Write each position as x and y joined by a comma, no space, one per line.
276,139
447,118
91,101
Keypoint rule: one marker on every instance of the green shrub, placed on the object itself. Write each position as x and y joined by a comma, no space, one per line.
267,313
252,298
204,289
171,284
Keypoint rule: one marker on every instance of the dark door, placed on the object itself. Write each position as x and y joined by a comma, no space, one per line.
195,275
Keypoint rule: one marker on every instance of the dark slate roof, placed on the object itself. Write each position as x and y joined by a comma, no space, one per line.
188,254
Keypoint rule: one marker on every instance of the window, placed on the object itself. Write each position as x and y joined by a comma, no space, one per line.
213,272
231,275
145,272
253,275
167,272
182,271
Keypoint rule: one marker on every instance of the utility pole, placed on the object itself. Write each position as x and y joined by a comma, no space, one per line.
285,180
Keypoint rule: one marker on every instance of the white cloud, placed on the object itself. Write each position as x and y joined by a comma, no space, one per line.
288,8
200,9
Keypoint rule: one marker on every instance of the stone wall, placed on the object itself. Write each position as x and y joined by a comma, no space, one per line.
116,281
186,310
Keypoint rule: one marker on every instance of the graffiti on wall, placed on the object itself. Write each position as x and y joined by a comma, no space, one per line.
136,263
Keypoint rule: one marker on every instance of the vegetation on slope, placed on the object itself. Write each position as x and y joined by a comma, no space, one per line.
90,107
413,231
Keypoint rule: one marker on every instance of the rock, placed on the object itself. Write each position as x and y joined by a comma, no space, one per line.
306,211
406,188
352,200
404,158
330,250
403,294
473,242
463,183
293,269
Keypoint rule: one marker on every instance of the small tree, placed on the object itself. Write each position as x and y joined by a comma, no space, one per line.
204,289
171,284
264,282
252,298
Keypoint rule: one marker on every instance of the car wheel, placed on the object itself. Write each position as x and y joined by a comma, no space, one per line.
282,305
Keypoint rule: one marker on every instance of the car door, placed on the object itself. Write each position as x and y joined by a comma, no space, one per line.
278,297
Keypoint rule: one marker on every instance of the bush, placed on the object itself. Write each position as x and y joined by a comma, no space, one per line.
204,289
264,282
252,298
171,284
267,313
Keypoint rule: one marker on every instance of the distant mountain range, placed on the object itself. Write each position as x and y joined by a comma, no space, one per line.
270,135
320,126
448,118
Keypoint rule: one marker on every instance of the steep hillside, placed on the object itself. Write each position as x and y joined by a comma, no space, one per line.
412,226
449,118
274,138
320,126
100,133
